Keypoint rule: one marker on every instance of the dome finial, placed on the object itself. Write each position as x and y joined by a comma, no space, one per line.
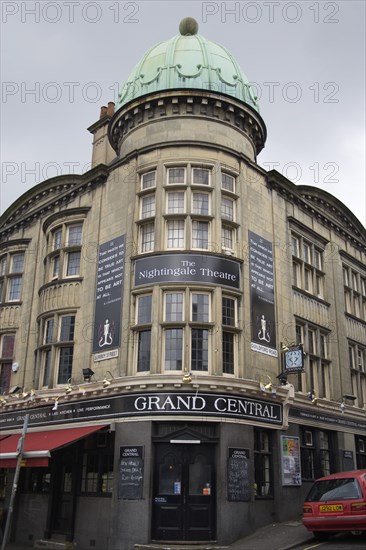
188,26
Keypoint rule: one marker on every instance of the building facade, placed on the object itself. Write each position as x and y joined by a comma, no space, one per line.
184,331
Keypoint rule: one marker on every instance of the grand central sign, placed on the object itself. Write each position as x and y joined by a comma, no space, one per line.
150,404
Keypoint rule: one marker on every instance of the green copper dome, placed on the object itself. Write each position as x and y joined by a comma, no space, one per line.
187,61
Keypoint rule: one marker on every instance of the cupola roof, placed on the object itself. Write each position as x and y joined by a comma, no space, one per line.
187,61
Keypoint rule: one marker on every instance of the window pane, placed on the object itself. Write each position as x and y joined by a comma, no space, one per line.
3,266
200,307
144,309
173,348
228,353
143,353
67,328
201,176
175,237
74,234
200,235
295,246
57,239
147,237
176,202
15,287
228,182
148,206
17,263
55,266
200,203
148,180
46,367
65,364
227,237
5,377
48,331
227,209
73,264
176,175
174,306
199,350
228,312
7,348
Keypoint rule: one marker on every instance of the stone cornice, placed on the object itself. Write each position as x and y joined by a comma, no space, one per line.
82,211
14,244
190,103
323,210
48,195
352,260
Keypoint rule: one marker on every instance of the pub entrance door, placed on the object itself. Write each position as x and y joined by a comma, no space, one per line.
184,492
61,516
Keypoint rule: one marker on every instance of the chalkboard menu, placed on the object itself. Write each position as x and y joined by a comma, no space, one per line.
131,473
347,461
238,475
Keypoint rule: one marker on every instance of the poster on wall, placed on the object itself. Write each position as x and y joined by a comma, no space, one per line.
263,337
291,465
108,299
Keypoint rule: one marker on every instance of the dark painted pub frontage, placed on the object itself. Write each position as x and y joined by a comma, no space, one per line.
178,466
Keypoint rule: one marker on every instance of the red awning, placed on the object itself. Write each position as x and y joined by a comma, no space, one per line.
38,445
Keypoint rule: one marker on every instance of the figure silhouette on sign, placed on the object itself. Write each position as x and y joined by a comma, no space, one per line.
106,339
264,333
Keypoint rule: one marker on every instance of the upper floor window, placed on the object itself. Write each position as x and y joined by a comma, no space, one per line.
148,180
6,360
229,322
148,206
201,176
317,372
307,265
11,276
354,292
228,183
57,349
147,237
227,209
186,343
143,332
357,364
64,260
176,176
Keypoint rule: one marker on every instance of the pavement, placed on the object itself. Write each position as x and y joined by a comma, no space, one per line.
275,536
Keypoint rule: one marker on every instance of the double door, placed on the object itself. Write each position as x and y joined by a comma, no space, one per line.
184,492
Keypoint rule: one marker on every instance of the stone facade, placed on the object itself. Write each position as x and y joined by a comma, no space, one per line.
175,174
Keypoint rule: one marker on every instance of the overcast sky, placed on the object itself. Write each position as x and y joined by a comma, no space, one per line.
62,60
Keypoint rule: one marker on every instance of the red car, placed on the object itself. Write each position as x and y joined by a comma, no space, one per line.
336,503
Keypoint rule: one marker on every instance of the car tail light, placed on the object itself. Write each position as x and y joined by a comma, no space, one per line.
358,506
307,509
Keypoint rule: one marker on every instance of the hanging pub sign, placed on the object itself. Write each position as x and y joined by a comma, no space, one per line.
263,337
108,299
294,359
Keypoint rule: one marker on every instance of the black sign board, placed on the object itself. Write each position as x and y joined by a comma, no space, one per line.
341,420
149,404
262,296
238,475
181,268
109,292
131,473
